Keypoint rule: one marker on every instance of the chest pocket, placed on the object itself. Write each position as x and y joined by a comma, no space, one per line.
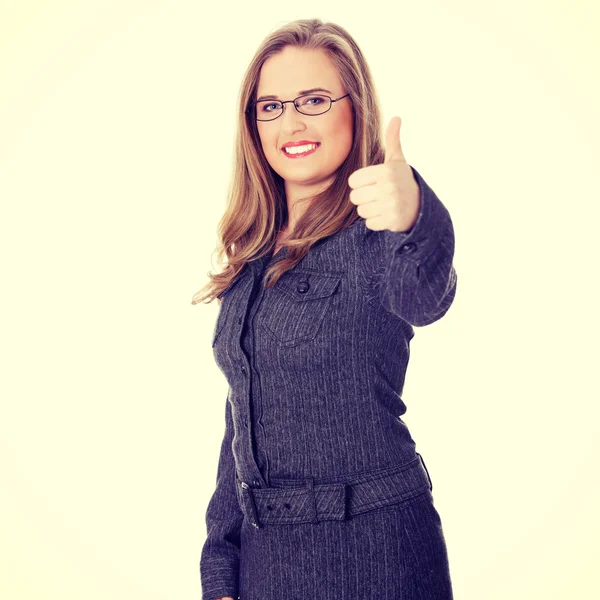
298,304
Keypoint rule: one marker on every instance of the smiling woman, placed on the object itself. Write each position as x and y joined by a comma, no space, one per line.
314,86
320,491
331,133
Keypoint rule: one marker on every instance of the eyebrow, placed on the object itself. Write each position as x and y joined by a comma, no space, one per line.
300,93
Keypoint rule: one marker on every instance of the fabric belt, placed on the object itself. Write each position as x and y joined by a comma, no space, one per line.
313,502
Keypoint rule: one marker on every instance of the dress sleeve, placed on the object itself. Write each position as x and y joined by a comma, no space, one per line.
411,273
219,562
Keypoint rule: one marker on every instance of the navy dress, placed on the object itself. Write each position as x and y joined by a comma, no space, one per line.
320,492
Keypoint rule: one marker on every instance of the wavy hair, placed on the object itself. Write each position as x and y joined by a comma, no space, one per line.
257,209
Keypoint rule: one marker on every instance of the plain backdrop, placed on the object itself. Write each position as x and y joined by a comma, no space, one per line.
113,177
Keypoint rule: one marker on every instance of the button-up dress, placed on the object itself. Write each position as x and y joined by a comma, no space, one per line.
320,492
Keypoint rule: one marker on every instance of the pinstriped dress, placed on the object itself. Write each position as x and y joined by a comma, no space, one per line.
320,492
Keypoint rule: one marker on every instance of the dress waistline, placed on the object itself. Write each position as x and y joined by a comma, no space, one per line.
314,502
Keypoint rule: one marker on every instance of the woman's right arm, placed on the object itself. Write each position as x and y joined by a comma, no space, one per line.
219,562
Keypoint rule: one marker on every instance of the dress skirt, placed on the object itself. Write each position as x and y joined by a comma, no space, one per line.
397,552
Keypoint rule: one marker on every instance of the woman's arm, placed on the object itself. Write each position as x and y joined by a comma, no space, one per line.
219,562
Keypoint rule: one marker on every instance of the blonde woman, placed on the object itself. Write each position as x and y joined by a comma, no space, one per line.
336,248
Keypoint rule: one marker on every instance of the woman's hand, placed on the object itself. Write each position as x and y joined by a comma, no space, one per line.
387,195
225,598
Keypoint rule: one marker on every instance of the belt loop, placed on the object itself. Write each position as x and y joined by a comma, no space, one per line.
248,489
426,471
347,492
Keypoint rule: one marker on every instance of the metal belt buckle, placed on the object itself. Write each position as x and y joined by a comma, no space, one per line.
256,521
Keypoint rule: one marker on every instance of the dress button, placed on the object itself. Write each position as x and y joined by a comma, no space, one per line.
256,483
243,369
303,286
409,247
245,422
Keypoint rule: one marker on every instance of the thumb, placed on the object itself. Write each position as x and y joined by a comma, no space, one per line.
393,148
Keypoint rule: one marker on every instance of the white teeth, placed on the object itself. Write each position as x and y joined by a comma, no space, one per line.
299,149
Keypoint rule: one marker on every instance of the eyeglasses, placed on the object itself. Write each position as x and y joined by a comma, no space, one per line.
310,105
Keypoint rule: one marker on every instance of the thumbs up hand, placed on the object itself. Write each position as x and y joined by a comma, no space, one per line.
387,195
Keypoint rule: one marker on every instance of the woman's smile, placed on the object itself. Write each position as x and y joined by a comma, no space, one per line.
297,154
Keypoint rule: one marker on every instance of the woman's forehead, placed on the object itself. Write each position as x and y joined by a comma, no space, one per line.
293,70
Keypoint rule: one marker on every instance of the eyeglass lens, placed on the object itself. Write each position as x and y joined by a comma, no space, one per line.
266,110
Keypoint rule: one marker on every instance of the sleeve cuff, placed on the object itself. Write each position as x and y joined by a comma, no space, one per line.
420,241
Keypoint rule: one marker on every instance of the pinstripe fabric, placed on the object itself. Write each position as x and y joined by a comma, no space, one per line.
316,368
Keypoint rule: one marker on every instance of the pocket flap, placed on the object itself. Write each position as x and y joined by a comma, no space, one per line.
309,285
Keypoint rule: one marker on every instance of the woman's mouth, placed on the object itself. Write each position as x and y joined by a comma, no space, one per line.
300,151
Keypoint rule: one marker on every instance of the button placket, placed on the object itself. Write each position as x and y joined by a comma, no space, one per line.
248,369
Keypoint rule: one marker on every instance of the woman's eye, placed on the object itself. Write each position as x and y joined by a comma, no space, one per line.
317,99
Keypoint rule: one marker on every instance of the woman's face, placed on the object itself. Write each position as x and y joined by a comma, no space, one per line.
284,76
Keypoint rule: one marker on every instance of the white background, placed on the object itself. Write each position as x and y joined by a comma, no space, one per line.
113,177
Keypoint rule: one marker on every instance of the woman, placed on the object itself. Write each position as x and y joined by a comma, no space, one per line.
334,254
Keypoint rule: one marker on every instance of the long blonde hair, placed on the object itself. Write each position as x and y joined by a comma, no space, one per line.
257,208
